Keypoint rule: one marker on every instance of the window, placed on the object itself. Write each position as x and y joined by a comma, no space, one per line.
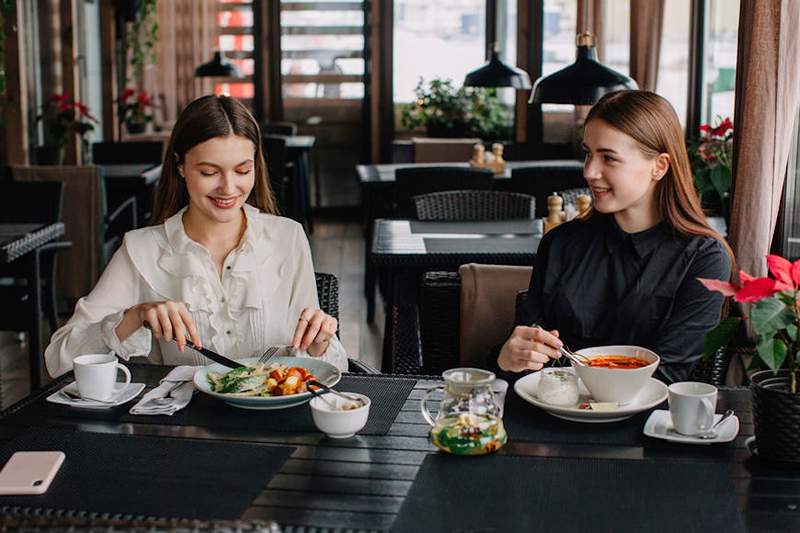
719,68
436,39
673,68
791,200
616,38
507,40
235,40
559,31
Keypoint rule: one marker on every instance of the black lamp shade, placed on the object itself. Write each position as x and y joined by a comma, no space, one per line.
582,83
495,73
219,67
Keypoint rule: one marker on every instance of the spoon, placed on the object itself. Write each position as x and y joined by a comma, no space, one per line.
324,387
572,356
712,432
75,396
324,398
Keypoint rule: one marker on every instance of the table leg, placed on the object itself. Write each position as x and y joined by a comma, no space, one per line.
35,329
402,351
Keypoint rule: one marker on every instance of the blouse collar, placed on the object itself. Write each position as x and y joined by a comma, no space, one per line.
643,242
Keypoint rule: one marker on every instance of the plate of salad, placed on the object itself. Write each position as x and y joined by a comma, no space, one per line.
279,384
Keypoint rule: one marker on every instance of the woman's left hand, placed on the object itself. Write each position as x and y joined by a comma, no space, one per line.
314,331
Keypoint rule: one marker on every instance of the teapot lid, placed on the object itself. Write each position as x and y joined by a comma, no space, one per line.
468,377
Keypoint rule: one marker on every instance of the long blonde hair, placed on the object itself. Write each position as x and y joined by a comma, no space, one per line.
203,119
650,120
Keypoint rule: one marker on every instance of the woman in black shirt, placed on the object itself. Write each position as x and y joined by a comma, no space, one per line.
626,273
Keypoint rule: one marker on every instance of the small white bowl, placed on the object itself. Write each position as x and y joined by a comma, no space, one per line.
620,385
339,423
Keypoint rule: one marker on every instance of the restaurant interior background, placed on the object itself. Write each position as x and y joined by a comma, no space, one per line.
345,72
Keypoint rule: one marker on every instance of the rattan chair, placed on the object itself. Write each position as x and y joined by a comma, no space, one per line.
328,294
473,205
570,196
542,178
413,181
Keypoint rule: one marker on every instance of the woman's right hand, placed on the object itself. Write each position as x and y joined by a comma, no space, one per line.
168,320
529,348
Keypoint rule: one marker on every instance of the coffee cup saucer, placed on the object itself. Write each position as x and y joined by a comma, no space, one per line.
659,426
123,393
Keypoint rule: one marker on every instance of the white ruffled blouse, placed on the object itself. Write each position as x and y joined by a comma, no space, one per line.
266,283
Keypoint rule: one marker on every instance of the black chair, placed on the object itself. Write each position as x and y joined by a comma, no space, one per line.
570,196
540,179
278,128
328,294
280,173
128,153
473,205
414,181
34,203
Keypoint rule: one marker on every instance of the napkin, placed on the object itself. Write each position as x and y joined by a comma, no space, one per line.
173,393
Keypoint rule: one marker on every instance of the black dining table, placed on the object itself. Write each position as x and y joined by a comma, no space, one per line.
19,242
132,180
402,250
385,482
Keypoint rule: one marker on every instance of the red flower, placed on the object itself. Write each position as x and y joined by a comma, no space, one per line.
757,289
724,287
144,99
705,128
127,93
722,129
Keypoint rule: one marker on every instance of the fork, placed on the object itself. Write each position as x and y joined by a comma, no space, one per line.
269,354
572,356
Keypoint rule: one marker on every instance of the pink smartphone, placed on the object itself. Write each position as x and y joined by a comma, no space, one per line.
29,472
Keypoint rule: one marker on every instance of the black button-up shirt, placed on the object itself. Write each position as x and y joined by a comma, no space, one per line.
598,285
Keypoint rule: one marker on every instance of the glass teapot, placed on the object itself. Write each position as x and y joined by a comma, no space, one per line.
469,421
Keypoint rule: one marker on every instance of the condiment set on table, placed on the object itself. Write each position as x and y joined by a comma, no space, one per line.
597,388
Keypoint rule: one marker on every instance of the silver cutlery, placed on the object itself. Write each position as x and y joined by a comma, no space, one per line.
271,352
569,354
315,383
713,432
75,396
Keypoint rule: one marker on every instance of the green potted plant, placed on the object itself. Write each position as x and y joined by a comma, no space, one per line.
134,109
774,317
711,155
62,116
445,111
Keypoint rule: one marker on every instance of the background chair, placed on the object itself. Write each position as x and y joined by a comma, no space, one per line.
473,205
328,294
279,172
540,179
128,153
570,196
278,128
415,181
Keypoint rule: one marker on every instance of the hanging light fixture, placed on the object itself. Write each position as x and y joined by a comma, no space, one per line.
495,73
582,83
219,67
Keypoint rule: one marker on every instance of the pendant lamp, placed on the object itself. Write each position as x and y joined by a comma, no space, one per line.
582,83
495,73
219,67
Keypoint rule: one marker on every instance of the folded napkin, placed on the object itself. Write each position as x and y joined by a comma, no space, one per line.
173,394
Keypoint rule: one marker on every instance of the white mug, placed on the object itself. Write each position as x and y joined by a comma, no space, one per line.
96,376
692,405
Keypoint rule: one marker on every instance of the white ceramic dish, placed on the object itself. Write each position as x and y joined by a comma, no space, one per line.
653,393
339,424
123,394
619,385
325,372
659,426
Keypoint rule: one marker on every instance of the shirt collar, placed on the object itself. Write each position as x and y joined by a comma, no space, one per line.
643,242
180,242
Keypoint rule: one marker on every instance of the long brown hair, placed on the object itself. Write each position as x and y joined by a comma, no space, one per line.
650,120
203,119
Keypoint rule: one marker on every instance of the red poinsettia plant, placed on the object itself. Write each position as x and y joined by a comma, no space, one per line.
711,155
135,107
63,116
775,317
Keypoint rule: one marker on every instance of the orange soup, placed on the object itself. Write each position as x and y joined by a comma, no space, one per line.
617,361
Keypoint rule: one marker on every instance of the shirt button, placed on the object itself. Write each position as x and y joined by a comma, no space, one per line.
228,267
222,300
228,332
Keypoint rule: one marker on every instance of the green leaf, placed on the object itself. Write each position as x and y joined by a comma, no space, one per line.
773,352
721,179
720,336
791,329
769,316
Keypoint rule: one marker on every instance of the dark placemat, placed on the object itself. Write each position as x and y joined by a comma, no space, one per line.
526,422
492,227
558,494
387,395
148,476
521,245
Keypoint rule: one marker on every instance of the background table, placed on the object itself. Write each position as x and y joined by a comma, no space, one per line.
402,249
19,242
139,181
361,483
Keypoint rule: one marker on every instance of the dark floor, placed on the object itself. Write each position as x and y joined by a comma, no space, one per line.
337,247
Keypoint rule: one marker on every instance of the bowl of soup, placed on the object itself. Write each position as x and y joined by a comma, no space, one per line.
616,373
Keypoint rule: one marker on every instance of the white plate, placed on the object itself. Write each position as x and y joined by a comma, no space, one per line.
659,426
653,393
122,394
325,372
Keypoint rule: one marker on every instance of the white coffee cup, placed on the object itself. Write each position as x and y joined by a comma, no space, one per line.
692,405
96,376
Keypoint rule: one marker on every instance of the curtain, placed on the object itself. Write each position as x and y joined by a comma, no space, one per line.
187,38
646,23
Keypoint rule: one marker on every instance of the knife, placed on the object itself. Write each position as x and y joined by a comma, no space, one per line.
214,356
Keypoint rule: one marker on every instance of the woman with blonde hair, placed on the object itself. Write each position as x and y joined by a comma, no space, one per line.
218,265
626,273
